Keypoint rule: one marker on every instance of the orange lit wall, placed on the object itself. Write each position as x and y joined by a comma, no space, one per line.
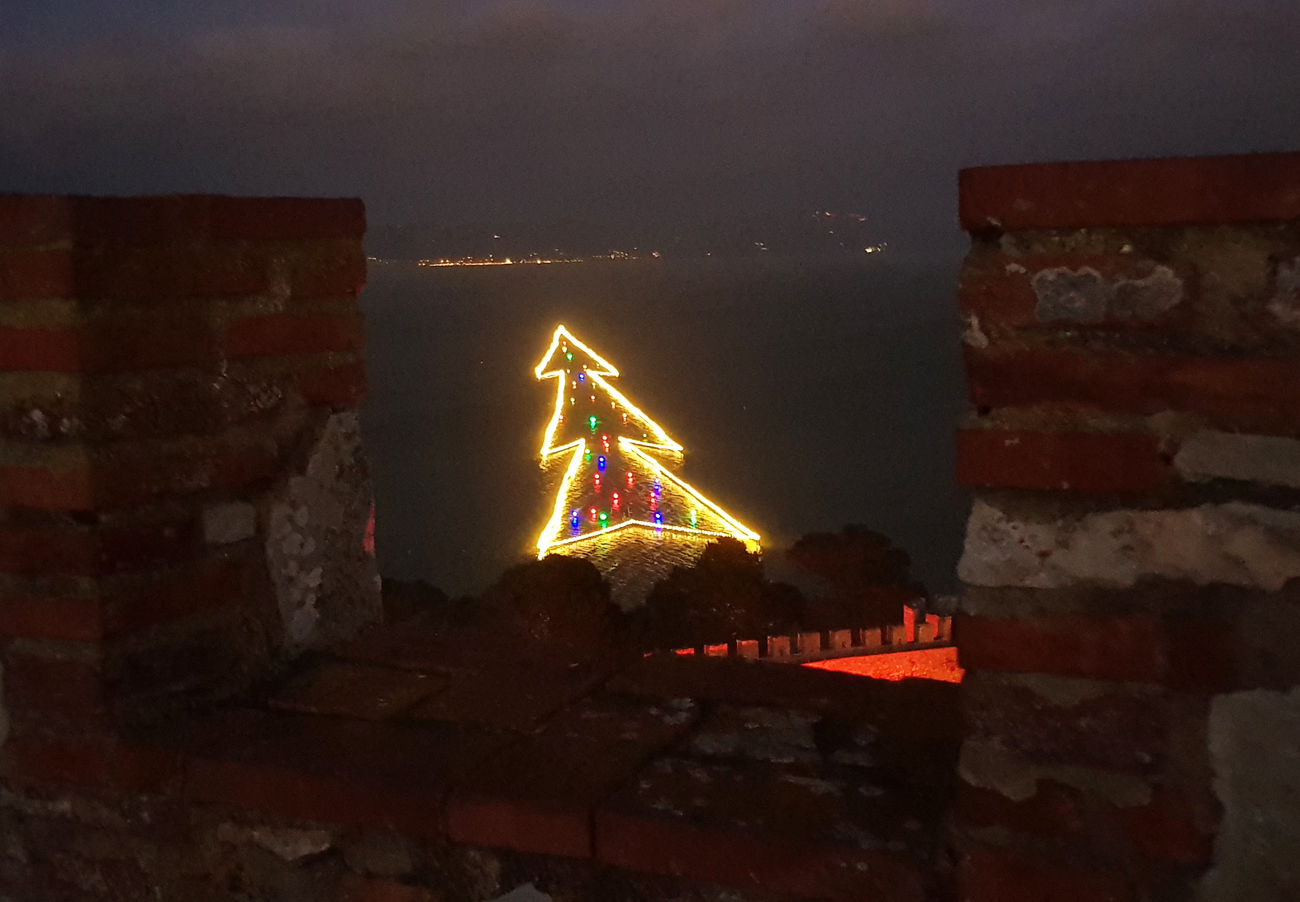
927,664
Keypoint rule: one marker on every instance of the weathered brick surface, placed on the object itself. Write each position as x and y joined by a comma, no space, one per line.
71,619
1167,828
384,775
1131,347
1233,393
1169,192
68,688
538,795
1069,722
1001,875
1061,461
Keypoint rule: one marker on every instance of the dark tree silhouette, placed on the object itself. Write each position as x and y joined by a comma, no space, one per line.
865,574
722,597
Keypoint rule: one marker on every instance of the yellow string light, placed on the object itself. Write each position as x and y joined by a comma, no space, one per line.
548,539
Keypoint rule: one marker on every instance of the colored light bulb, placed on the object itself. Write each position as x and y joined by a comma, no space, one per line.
597,481
629,479
568,355
659,518
593,515
561,420
604,440
593,399
573,384
692,518
615,499
575,518
582,377
624,419
591,421
586,455
600,463
604,519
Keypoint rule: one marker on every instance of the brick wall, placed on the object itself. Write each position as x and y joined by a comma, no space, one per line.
1132,342
182,495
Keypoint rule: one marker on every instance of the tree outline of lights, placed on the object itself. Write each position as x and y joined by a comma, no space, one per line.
549,539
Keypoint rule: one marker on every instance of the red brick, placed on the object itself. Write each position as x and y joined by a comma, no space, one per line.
138,344
282,334
1165,192
34,219
93,761
36,274
46,488
188,592
364,889
538,795
70,619
150,273
1062,461
344,689
1120,647
49,551
344,384
46,219
1167,830
56,350
123,482
93,552
50,686
285,218
1233,393
387,775
1003,875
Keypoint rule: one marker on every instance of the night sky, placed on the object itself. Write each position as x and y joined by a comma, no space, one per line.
634,110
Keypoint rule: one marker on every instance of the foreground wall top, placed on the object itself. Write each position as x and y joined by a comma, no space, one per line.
1166,192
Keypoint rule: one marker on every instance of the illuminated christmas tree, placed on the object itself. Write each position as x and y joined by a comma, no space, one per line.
617,488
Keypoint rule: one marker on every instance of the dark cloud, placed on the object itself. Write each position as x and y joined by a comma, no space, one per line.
451,111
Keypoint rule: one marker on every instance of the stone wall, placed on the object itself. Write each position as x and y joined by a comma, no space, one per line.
183,498
1132,342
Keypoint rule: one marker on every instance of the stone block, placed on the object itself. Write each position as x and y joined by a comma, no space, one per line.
1271,460
1234,543
1253,742
326,586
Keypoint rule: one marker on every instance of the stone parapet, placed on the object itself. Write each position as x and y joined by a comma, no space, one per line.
183,498
1132,342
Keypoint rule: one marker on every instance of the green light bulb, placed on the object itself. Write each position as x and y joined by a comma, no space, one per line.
568,355
592,422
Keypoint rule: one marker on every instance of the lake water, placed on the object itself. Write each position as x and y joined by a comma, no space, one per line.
807,396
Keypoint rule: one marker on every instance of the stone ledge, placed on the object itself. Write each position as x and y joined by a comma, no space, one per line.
825,785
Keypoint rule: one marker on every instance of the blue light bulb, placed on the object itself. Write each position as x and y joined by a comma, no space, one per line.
600,463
